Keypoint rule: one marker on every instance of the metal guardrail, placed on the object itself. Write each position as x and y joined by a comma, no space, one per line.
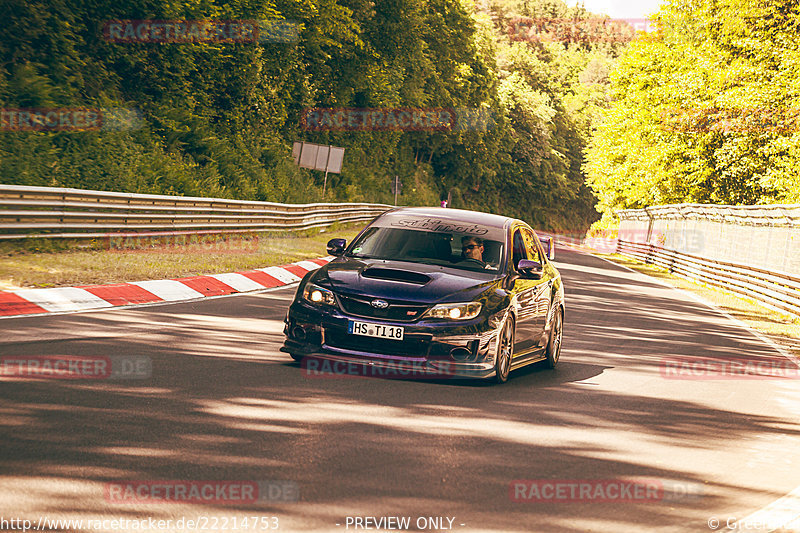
775,215
772,288
27,211
759,236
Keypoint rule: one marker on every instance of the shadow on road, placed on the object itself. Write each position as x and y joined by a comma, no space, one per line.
222,403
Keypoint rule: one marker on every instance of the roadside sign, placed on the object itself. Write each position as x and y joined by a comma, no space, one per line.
335,159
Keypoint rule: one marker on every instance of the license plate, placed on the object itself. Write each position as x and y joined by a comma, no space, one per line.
376,330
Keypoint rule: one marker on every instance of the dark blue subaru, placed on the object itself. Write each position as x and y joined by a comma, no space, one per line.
441,291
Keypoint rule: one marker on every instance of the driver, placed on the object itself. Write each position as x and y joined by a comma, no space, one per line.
472,249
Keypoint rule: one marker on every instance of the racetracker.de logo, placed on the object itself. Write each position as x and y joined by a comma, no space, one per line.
75,367
709,368
201,31
607,241
591,30
731,120
178,242
397,119
70,119
325,369
601,490
200,492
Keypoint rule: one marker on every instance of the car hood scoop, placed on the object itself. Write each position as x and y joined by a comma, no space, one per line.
392,274
378,278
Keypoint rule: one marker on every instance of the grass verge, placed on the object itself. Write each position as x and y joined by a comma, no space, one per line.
64,264
781,327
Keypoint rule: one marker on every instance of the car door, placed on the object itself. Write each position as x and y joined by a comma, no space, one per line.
527,295
544,292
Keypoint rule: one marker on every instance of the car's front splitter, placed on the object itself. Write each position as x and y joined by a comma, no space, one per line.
327,363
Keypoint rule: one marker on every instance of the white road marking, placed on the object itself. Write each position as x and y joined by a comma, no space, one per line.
238,282
280,274
62,298
308,265
784,513
168,289
710,305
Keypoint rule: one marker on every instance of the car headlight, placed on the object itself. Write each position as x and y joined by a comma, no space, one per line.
463,311
317,295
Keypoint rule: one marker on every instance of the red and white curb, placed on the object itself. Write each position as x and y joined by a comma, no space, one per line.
25,302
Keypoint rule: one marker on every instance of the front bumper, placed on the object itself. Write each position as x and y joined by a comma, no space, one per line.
429,349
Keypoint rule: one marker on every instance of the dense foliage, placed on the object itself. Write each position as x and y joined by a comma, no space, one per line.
705,110
219,119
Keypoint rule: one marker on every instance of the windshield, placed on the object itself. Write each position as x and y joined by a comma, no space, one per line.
452,249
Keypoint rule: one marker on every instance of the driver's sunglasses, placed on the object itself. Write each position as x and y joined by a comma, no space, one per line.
469,247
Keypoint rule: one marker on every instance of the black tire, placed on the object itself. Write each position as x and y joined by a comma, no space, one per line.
505,348
553,351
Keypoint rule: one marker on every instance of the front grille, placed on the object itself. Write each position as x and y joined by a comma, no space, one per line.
408,347
397,310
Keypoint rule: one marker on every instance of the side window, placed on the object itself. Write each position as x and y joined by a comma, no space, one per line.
519,248
531,246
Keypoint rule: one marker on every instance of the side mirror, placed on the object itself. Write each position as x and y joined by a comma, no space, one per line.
530,269
336,246
549,247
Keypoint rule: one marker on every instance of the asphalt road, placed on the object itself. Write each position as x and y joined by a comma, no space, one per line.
223,404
